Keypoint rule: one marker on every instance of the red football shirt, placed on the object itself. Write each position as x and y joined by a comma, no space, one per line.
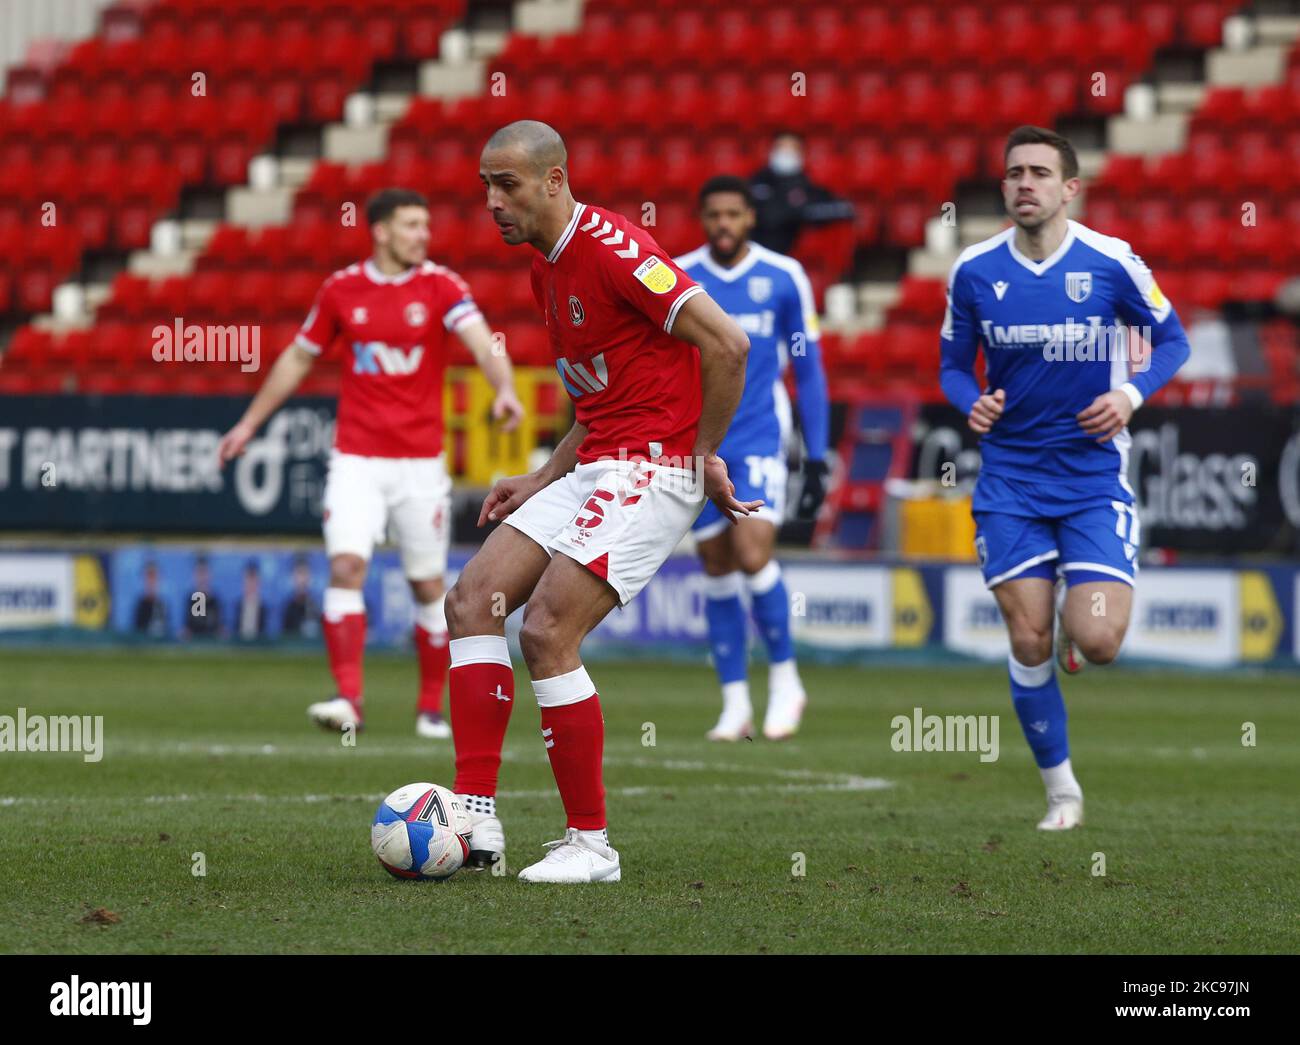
394,330
610,295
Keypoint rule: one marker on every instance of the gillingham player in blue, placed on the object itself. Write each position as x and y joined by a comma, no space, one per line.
769,296
1054,306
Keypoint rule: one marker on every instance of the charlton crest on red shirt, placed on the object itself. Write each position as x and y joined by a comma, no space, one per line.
609,296
393,330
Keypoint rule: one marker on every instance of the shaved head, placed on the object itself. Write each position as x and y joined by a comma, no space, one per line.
524,170
539,143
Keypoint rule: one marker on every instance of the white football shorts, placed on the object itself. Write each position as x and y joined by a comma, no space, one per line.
406,500
620,519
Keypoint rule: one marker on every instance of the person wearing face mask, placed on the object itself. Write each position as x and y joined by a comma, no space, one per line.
786,199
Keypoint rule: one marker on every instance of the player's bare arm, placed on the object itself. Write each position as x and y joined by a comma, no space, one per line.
987,409
1107,415
508,494
492,359
285,376
723,349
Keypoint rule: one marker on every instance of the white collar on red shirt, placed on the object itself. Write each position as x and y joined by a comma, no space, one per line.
567,234
375,276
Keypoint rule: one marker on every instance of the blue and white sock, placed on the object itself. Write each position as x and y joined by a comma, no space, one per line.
1037,699
728,636
771,609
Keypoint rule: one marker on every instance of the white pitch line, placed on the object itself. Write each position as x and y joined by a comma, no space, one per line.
849,783
418,749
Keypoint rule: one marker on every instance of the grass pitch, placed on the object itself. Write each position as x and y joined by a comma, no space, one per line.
211,753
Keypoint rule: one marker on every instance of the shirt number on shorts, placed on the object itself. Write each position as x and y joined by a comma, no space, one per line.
1128,527
765,475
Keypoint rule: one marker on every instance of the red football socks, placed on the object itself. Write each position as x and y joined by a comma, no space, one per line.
482,686
574,730
343,621
431,648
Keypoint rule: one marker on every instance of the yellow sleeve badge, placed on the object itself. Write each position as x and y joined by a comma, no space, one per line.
658,277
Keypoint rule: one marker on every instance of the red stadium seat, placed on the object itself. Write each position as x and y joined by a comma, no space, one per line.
651,102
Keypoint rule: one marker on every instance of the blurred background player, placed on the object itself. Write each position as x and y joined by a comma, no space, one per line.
786,198
770,298
1047,299
614,500
387,470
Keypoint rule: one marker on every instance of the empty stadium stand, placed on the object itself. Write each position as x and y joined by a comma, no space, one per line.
104,153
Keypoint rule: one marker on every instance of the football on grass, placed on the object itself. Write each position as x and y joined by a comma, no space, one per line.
421,831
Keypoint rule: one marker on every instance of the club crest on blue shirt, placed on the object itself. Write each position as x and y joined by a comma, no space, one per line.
1078,285
760,288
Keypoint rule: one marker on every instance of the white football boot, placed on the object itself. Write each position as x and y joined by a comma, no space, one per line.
337,714
785,701
1067,653
1064,811
737,719
487,841
733,727
431,726
580,856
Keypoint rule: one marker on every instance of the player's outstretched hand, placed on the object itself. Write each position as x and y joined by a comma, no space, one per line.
719,489
507,406
506,495
986,411
233,442
1107,415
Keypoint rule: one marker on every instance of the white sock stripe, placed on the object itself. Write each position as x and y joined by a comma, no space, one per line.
342,602
432,616
570,688
480,649
1031,676
723,587
765,579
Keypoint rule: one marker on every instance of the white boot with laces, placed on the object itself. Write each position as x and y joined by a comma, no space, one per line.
580,856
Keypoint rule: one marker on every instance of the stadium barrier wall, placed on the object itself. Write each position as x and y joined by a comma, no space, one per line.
1219,481
1199,617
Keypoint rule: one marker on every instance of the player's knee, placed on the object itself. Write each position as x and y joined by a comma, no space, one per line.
540,635
752,560
427,591
716,558
1030,644
347,571
1099,646
460,606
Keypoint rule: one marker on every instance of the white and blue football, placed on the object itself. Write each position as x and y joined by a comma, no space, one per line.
421,831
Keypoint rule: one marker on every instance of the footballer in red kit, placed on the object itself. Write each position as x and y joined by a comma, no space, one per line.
392,315
596,290
654,369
